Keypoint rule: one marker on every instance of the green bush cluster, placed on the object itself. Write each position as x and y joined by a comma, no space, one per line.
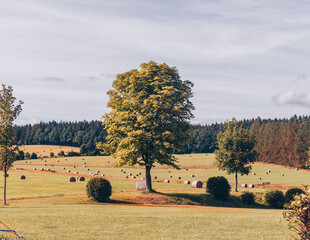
99,189
218,187
247,197
274,198
289,195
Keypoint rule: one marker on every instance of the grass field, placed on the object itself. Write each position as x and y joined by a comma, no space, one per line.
47,206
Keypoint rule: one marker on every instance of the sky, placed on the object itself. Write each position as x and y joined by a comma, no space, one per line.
245,58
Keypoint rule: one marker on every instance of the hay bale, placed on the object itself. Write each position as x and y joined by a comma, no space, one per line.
57,160
98,171
76,172
48,169
130,174
251,185
269,171
26,162
88,169
179,177
68,171
259,178
167,181
143,178
133,176
23,177
63,168
297,169
81,179
155,177
266,172
90,173
141,186
84,162
282,174
170,176
84,166
126,176
187,182
44,164
186,169
108,161
41,169
139,173
192,175
244,185
102,175
197,184
34,169
253,173
121,170
124,171
72,179
52,165
73,166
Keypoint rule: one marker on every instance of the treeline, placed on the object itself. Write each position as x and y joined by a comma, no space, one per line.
82,134
279,141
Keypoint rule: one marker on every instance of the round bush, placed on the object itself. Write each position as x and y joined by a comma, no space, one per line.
247,197
99,189
218,187
289,195
274,198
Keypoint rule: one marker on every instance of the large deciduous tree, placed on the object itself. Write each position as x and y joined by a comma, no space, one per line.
8,113
150,115
235,150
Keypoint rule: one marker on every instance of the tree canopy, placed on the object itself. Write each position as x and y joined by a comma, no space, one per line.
150,115
235,150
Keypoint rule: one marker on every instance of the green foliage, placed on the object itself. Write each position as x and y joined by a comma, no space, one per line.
274,198
20,155
99,189
61,153
298,215
8,113
27,155
218,187
149,117
247,197
235,150
34,156
289,195
52,154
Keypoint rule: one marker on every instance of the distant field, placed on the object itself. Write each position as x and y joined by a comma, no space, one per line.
47,206
45,150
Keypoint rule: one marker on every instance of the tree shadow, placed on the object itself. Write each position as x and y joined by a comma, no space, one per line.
207,200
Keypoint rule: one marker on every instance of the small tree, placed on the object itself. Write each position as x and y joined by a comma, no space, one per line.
149,118
235,150
298,215
8,113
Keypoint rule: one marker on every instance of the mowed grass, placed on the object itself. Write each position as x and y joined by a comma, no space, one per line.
45,150
291,176
78,218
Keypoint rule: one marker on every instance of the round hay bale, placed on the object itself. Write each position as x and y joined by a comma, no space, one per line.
253,173
63,168
170,176
23,177
81,179
121,170
102,175
76,172
57,160
143,178
140,173
259,178
108,161
137,174
84,162
130,174
41,169
179,177
197,184
297,169
73,166
192,175
48,169
133,176
72,179
45,161
84,166
52,165
282,174
126,176
167,181
88,169
244,185
187,182
169,171
98,171
34,169
26,162
269,171
44,164
90,173
68,171
186,169
124,171
155,177
266,172
251,185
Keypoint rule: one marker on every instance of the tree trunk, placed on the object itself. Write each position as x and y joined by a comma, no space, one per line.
148,178
4,189
236,177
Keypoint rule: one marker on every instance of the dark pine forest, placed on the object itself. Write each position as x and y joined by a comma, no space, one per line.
279,141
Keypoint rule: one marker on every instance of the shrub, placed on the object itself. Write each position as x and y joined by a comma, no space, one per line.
274,198
34,156
289,195
52,154
218,187
247,197
99,189
298,215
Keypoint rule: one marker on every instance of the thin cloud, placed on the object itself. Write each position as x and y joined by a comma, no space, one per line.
53,79
302,77
292,98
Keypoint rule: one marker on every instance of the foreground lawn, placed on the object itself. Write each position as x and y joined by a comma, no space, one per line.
78,218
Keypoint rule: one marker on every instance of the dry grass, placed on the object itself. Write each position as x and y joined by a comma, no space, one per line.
45,150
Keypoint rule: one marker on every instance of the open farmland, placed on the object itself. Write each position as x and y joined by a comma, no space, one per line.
48,206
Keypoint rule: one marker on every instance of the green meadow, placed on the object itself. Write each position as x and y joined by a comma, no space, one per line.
47,206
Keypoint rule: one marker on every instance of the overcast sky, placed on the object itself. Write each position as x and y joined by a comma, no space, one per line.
246,58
